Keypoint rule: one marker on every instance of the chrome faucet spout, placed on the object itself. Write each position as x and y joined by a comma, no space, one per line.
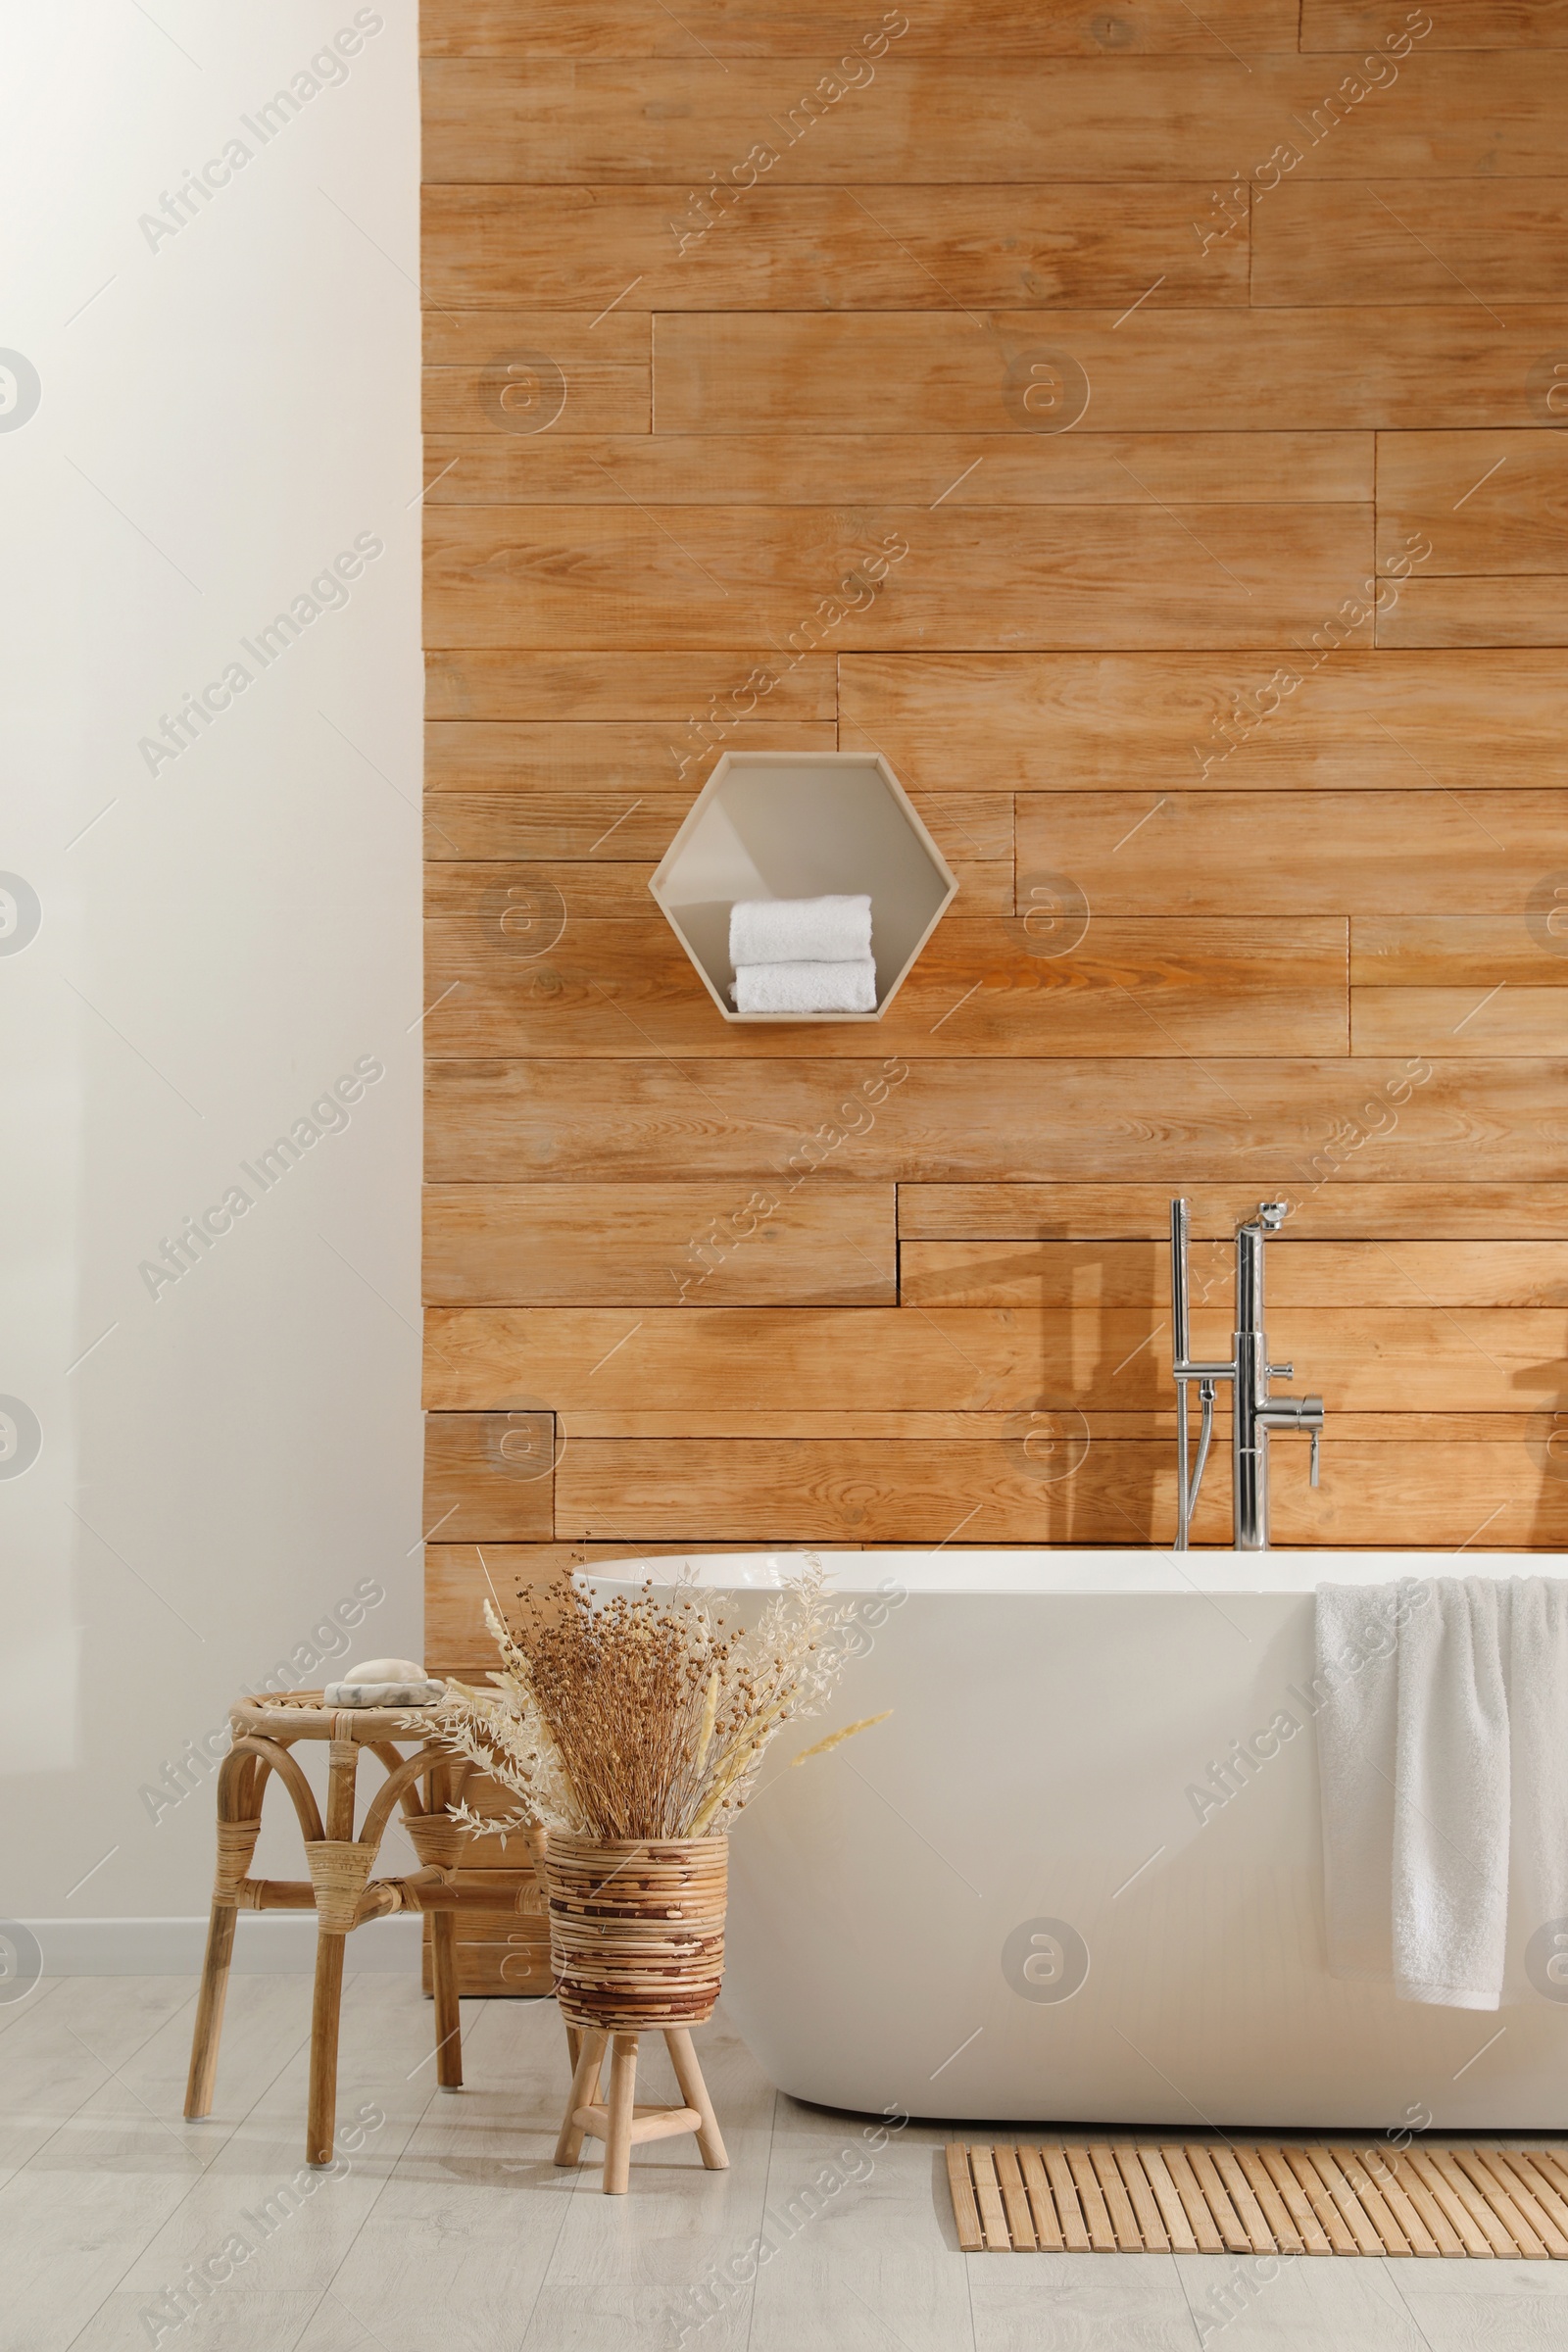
1257,1414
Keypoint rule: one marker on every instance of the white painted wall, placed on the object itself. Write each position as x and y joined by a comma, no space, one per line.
224,408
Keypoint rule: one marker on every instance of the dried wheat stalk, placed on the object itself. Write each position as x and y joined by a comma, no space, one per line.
642,1716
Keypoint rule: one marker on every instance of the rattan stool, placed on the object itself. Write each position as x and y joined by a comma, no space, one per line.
340,1888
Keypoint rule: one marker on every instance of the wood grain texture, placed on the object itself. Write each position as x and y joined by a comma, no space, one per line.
488,1476
1368,853
1531,1022
482,375
1347,1208
459,401
617,685
1201,371
913,469
580,336
1528,949
626,990
1482,241
972,829
813,249
1031,1463
1479,612
1061,1426
647,755
1176,1122
1083,1277
983,29
1259,893
1492,503
657,1245
575,576
908,119
1080,722
1434,1359
1456,25
574,827
500,1952
1123,1495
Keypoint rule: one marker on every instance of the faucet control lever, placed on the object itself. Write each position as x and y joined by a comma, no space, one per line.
1315,1435
1282,1371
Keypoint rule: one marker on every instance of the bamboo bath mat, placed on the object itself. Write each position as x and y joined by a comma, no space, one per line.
1272,2197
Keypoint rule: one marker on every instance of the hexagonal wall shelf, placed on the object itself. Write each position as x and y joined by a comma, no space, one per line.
800,825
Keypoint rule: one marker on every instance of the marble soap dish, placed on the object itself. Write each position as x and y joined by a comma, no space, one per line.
384,1682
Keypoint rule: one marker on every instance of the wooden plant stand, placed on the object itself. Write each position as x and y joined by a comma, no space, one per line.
636,1945
340,1888
619,2121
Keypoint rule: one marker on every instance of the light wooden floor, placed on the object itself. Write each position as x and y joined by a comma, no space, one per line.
452,2232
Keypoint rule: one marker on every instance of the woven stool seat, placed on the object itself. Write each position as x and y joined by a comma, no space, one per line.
340,1860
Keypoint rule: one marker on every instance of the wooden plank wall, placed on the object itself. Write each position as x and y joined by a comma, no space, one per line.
1211,371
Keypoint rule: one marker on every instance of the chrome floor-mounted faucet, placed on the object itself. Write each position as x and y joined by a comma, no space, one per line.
1255,1414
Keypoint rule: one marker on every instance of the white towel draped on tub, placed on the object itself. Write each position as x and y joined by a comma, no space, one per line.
1442,1761
828,930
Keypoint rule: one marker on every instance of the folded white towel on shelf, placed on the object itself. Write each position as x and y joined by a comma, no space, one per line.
846,986
1442,1762
830,930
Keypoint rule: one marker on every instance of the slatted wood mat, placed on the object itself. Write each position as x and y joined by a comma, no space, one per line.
1281,2197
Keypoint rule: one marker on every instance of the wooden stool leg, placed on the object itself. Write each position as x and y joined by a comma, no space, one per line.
343,1763
240,1794
694,2090
322,2117
209,2012
448,2014
622,2108
584,2082
574,2053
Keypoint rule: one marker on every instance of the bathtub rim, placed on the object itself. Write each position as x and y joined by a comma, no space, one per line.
1022,1571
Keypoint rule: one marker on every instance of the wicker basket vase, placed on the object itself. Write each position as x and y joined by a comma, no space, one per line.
637,1931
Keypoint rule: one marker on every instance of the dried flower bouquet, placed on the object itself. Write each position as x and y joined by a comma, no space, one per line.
642,1716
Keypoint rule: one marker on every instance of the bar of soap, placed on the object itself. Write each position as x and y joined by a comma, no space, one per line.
384,1682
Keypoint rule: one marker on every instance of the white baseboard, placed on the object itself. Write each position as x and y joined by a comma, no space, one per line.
266,1943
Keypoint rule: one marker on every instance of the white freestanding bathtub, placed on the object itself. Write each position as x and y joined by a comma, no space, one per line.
1011,1901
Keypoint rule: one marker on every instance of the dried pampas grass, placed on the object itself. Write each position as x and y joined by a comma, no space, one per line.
644,1716
825,1747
